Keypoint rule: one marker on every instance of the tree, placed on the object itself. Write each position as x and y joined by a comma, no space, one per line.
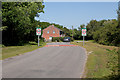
108,34
118,12
19,19
92,26
104,32
82,26
66,31
77,34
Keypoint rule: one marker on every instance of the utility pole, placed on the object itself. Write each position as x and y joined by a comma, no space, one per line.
72,31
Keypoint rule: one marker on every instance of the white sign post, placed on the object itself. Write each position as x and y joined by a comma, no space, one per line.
84,34
38,32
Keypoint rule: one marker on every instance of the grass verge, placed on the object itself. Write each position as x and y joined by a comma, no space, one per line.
11,51
97,59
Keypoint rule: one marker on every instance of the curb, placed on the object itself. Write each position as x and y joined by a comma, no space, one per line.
83,72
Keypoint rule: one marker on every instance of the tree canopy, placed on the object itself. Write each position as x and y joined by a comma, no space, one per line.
18,17
104,32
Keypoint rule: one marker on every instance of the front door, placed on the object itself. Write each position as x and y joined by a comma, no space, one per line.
50,38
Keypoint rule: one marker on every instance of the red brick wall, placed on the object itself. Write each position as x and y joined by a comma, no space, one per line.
50,34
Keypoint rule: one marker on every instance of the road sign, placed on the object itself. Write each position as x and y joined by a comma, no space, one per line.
84,32
38,31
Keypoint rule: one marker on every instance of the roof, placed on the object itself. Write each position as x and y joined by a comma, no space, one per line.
54,27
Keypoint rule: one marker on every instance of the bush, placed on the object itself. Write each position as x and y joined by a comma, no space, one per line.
72,39
41,39
61,38
108,34
55,39
113,61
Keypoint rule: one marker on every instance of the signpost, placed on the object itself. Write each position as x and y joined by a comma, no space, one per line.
84,34
38,33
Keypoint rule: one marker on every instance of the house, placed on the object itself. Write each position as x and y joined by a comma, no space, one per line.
52,31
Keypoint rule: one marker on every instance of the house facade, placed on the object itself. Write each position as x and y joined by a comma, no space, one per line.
52,31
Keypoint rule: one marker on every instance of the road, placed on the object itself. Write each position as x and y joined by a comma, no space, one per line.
47,62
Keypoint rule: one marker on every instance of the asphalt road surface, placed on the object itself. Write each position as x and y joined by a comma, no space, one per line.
47,62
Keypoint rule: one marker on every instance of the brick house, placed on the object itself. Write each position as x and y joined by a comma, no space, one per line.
52,31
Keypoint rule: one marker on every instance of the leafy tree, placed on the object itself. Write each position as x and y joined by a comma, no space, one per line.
19,19
77,34
118,12
108,34
82,26
92,26
66,31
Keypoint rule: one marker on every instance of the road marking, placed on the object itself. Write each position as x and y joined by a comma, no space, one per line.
51,45
59,45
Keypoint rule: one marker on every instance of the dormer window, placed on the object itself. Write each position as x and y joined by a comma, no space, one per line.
48,32
53,32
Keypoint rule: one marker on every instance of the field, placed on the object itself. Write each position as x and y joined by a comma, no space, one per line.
98,56
11,51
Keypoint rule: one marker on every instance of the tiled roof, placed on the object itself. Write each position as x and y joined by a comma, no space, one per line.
54,27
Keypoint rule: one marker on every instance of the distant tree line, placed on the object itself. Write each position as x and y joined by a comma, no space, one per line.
105,32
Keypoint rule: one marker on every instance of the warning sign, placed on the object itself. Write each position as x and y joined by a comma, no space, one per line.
84,32
38,31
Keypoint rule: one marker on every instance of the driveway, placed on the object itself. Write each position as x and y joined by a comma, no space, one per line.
47,62
59,43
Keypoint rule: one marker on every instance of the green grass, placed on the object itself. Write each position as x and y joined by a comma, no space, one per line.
11,51
97,59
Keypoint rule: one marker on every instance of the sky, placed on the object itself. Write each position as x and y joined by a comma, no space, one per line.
81,0
75,14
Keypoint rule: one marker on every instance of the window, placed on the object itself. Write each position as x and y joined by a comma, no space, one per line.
48,32
53,32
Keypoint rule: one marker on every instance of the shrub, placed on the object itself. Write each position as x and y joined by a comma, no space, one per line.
112,62
55,39
61,38
41,39
72,39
